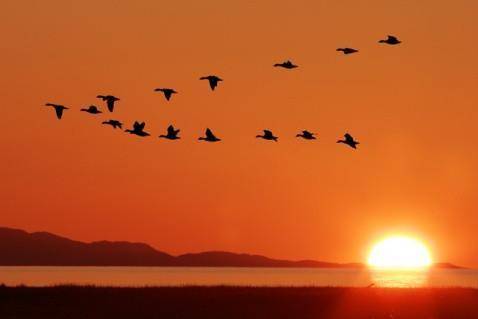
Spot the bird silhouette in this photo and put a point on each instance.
(138, 129)
(392, 40)
(306, 135)
(58, 109)
(92, 110)
(167, 92)
(172, 133)
(110, 101)
(349, 140)
(213, 80)
(286, 65)
(347, 50)
(268, 136)
(114, 123)
(210, 137)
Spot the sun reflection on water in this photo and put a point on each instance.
(399, 278)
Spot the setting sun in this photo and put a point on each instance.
(399, 252)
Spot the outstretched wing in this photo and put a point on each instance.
(171, 130)
(267, 133)
(209, 134)
(392, 38)
(213, 83)
(307, 133)
(110, 103)
(348, 137)
(59, 112)
(167, 94)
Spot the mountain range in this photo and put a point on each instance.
(20, 248)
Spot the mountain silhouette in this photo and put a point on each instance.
(19, 248)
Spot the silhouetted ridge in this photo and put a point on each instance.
(228, 259)
(19, 248)
(44, 249)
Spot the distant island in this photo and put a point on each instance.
(20, 248)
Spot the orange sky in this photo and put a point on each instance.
(413, 107)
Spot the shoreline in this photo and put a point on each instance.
(237, 302)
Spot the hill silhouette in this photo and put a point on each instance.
(20, 248)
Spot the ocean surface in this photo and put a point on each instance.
(178, 276)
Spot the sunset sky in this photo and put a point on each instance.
(413, 107)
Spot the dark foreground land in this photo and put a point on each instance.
(236, 302)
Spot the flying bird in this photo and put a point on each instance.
(58, 109)
(167, 92)
(138, 129)
(172, 133)
(392, 40)
(306, 135)
(349, 140)
(92, 110)
(110, 101)
(268, 136)
(114, 123)
(286, 65)
(210, 137)
(213, 80)
(347, 50)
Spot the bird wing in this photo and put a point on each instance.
(59, 112)
(307, 133)
(167, 94)
(171, 130)
(101, 97)
(267, 133)
(52, 104)
(209, 134)
(213, 83)
(392, 38)
(348, 137)
(110, 103)
(141, 125)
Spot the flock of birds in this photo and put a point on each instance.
(172, 133)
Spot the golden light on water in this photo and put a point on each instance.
(399, 252)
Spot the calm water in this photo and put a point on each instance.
(175, 276)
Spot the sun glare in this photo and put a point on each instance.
(399, 253)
